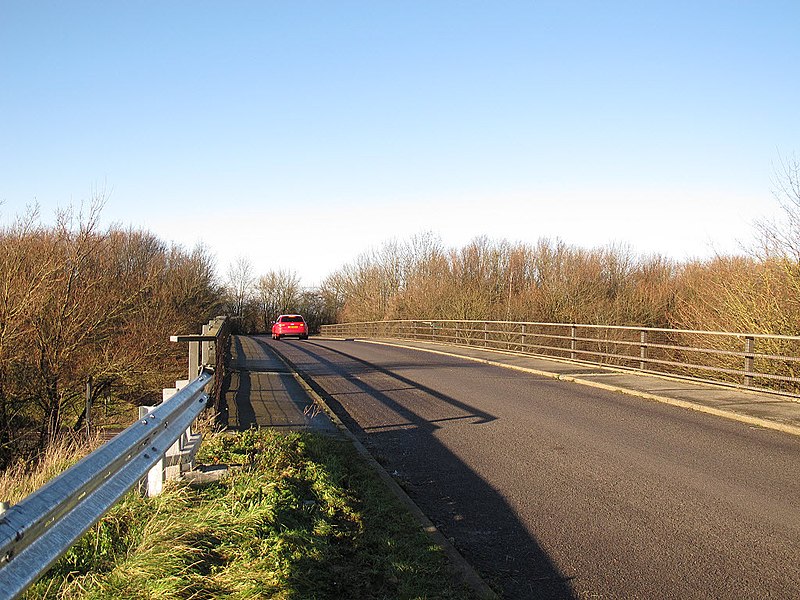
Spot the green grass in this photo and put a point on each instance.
(303, 517)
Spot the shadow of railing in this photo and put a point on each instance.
(236, 388)
(260, 391)
(465, 508)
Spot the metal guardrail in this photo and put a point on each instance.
(747, 360)
(39, 529)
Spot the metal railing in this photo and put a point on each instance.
(38, 530)
(35, 532)
(747, 360)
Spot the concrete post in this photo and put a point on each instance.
(154, 484)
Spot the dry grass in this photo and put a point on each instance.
(25, 476)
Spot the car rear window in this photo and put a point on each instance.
(291, 319)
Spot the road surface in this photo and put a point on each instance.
(556, 490)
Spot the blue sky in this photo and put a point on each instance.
(302, 133)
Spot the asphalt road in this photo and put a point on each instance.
(556, 490)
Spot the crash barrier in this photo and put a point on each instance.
(747, 360)
(38, 530)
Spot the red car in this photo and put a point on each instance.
(290, 325)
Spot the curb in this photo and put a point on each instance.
(460, 568)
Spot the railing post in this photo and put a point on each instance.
(206, 348)
(643, 349)
(524, 332)
(573, 342)
(194, 359)
(485, 334)
(88, 415)
(154, 484)
(749, 360)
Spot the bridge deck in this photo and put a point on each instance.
(262, 392)
(771, 411)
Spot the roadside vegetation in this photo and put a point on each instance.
(82, 305)
(757, 291)
(299, 516)
(254, 301)
(556, 283)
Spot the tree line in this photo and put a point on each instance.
(254, 301)
(756, 291)
(80, 304)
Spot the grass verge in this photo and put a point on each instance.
(302, 517)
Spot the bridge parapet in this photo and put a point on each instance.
(756, 361)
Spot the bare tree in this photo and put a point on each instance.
(781, 238)
(278, 292)
(239, 284)
(78, 302)
(486, 279)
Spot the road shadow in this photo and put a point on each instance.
(236, 390)
(241, 390)
(465, 508)
(260, 391)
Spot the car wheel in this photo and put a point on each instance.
(277, 337)
(303, 337)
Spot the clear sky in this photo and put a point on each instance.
(302, 133)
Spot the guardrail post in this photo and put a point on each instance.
(485, 334)
(154, 484)
(573, 342)
(643, 349)
(524, 332)
(749, 360)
